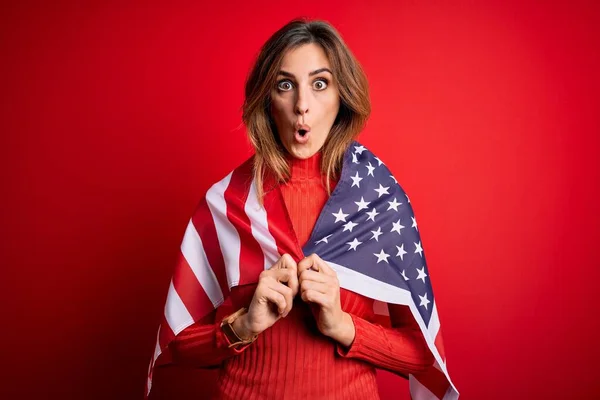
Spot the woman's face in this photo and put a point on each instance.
(305, 100)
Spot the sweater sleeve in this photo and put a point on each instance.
(203, 344)
(400, 349)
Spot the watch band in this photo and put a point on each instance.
(230, 333)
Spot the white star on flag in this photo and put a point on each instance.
(419, 249)
(324, 240)
(392, 176)
(382, 190)
(376, 234)
(359, 149)
(382, 256)
(407, 199)
(422, 274)
(414, 225)
(397, 227)
(401, 252)
(371, 169)
(404, 273)
(379, 161)
(393, 205)
(356, 180)
(424, 300)
(349, 226)
(362, 204)
(355, 159)
(340, 216)
(372, 214)
(353, 244)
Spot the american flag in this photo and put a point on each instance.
(367, 232)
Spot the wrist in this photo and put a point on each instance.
(345, 331)
(240, 326)
(235, 330)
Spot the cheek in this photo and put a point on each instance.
(332, 107)
(331, 100)
(279, 106)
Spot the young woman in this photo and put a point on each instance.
(292, 332)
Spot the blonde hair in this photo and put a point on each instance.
(355, 105)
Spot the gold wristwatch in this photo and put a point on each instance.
(230, 333)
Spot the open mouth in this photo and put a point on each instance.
(302, 133)
(302, 136)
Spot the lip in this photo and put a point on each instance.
(300, 126)
(301, 139)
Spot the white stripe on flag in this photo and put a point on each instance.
(176, 314)
(260, 227)
(380, 308)
(419, 391)
(149, 385)
(157, 350)
(370, 287)
(194, 254)
(434, 322)
(229, 239)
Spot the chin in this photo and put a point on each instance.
(302, 151)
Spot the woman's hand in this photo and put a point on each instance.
(319, 284)
(272, 299)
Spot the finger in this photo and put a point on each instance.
(287, 276)
(308, 263)
(286, 292)
(312, 276)
(292, 281)
(276, 298)
(289, 265)
(285, 262)
(282, 275)
(324, 267)
(313, 296)
(316, 286)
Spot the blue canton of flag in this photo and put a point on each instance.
(368, 226)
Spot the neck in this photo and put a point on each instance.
(308, 168)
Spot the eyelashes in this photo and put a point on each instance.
(285, 85)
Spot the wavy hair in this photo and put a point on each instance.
(355, 105)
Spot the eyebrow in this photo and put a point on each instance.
(316, 71)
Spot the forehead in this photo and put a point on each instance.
(305, 58)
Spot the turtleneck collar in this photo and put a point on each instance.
(305, 169)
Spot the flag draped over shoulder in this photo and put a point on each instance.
(367, 232)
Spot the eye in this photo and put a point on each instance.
(284, 86)
(320, 84)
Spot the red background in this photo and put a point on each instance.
(116, 118)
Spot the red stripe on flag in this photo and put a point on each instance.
(435, 381)
(205, 226)
(190, 291)
(280, 224)
(439, 344)
(166, 334)
(252, 259)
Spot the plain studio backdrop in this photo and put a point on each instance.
(115, 119)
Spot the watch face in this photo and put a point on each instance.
(230, 334)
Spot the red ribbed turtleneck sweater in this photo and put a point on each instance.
(292, 359)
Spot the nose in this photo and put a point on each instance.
(301, 106)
